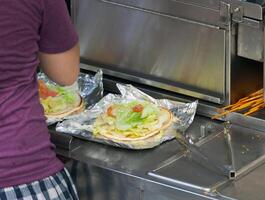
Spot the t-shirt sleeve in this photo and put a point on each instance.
(57, 33)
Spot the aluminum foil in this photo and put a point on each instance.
(89, 87)
(82, 124)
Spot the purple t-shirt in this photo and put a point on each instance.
(27, 27)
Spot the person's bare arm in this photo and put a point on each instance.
(62, 68)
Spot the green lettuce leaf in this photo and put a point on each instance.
(126, 119)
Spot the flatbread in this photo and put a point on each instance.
(59, 102)
(74, 109)
(118, 137)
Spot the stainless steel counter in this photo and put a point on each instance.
(249, 187)
(211, 50)
(106, 173)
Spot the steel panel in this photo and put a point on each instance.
(189, 57)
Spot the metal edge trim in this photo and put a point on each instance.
(158, 13)
(156, 84)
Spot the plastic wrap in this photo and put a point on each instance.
(82, 125)
(89, 87)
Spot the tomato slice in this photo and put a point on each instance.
(138, 108)
(44, 91)
(109, 111)
(43, 95)
(42, 85)
(52, 93)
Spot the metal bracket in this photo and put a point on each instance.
(224, 13)
(228, 11)
(238, 14)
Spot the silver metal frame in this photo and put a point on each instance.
(219, 99)
(117, 164)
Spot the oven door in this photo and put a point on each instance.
(156, 44)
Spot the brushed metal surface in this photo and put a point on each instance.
(248, 187)
(250, 40)
(246, 146)
(96, 183)
(104, 173)
(254, 10)
(122, 37)
(194, 176)
(203, 11)
(181, 54)
(251, 8)
(136, 79)
(211, 4)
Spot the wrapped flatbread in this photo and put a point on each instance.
(59, 102)
(136, 120)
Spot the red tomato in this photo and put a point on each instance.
(52, 93)
(109, 111)
(44, 91)
(43, 95)
(42, 86)
(138, 108)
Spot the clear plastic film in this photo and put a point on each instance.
(82, 125)
(89, 87)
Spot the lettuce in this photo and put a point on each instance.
(127, 119)
(59, 103)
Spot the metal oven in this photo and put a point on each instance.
(203, 49)
(210, 50)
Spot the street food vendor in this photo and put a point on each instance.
(33, 33)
